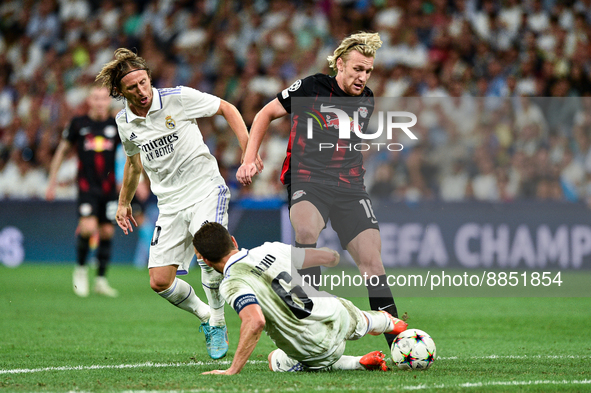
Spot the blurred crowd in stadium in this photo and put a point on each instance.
(484, 65)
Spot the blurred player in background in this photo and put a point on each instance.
(159, 132)
(310, 331)
(324, 186)
(95, 137)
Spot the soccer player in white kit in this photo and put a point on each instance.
(159, 132)
(310, 328)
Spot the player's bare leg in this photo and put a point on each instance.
(307, 223)
(365, 249)
(178, 292)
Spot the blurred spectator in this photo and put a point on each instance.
(538, 19)
(572, 176)
(411, 52)
(511, 16)
(7, 95)
(398, 82)
(43, 26)
(74, 9)
(383, 182)
(455, 184)
(20, 179)
(528, 114)
(25, 56)
(484, 184)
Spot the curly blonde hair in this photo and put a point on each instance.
(125, 62)
(365, 43)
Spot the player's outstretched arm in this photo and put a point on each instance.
(131, 177)
(236, 123)
(253, 323)
(56, 162)
(321, 257)
(273, 110)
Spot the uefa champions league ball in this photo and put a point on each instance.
(413, 349)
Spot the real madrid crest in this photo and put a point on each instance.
(170, 124)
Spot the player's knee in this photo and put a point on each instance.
(88, 226)
(159, 283)
(270, 360)
(370, 263)
(306, 235)
(372, 269)
(87, 231)
(106, 231)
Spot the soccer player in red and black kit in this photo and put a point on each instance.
(327, 183)
(96, 139)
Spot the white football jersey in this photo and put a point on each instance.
(181, 169)
(304, 326)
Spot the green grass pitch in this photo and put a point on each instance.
(51, 340)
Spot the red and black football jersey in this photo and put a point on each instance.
(324, 158)
(96, 142)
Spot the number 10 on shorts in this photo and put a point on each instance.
(366, 203)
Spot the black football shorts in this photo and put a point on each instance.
(349, 210)
(100, 206)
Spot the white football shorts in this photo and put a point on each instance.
(356, 328)
(172, 241)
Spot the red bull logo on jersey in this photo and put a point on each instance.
(334, 122)
(339, 119)
(98, 143)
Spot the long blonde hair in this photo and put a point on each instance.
(112, 72)
(365, 43)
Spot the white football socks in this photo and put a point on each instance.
(348, 363)
(211, 281)
(182, 295)
(377, 323)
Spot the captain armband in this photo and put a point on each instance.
(244, 300)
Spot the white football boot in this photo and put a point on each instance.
(102, 287)
(80, 281)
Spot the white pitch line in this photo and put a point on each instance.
(224, 362)
(466, 385)
(497, 383)
(516, 357)
(117, 366)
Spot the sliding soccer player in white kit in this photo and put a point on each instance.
(309, 328)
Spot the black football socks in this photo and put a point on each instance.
(380, 299)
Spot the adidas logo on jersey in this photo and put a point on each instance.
(132, 136)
